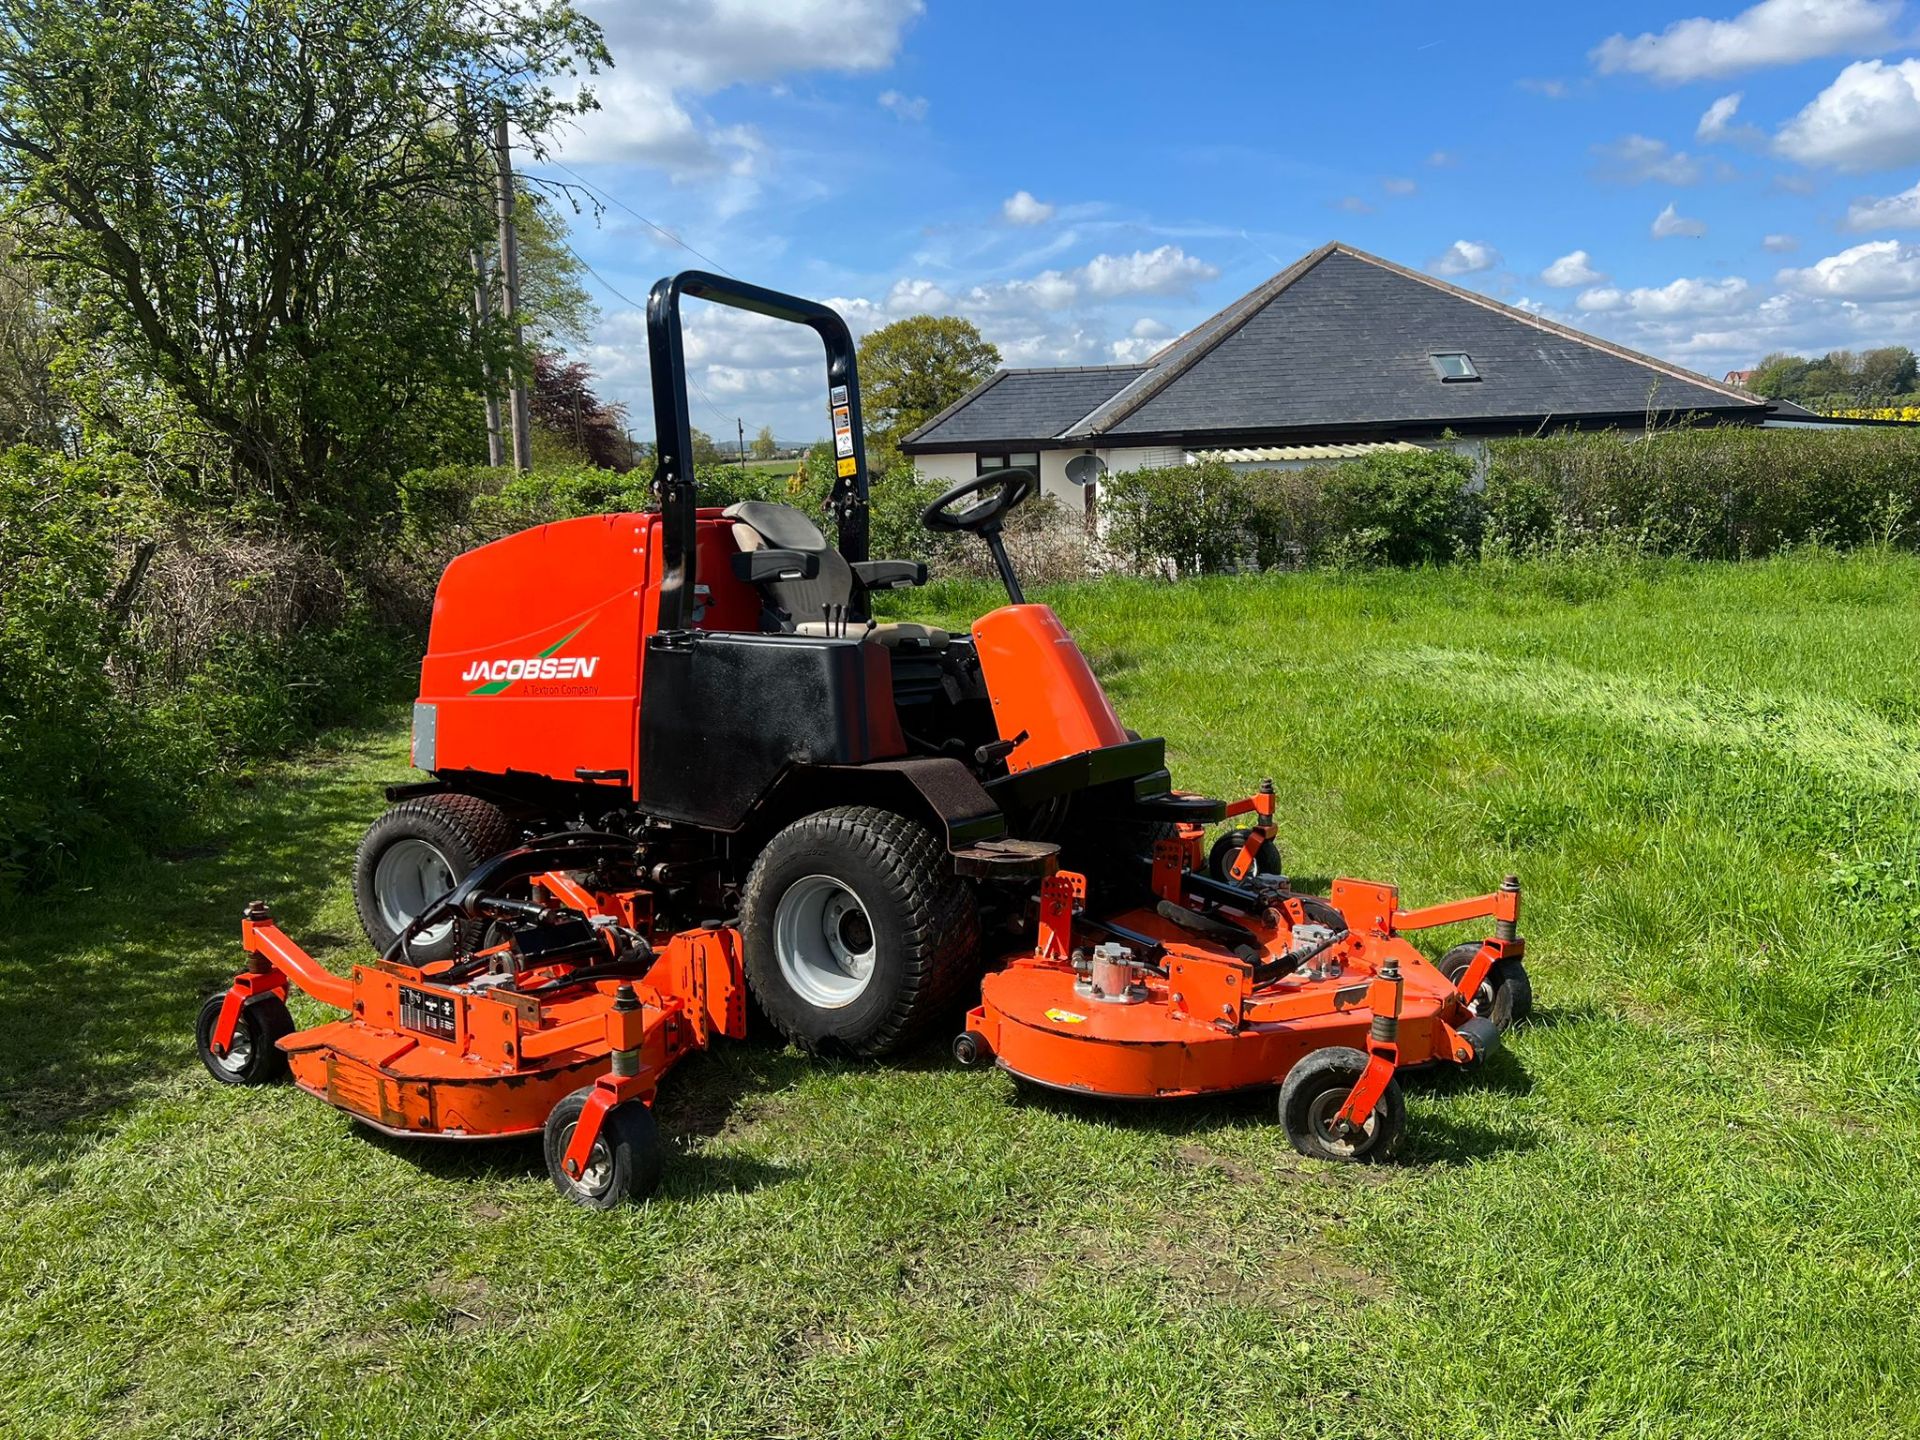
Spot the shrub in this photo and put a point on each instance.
(1393, 508)
(1725, 493)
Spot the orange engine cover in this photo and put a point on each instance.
(534, 657)
(1042, 684)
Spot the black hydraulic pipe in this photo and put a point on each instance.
(673, 430)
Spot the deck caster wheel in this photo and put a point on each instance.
(253, 1058)
(1266, 860)
(1505, 997)
(626, 1161)
(970, 1050)
(1314, 1091)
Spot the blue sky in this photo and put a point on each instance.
(1086, 180)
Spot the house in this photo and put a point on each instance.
(1742, 378)
(1339, 354)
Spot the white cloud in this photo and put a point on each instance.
(1168, 270)
(670, 50)
(1895, 212)
(1877, 270)
(1713, 124)
(1867, 119)
(1443, 159)
(1670, 223)
(907, 107)
(1552, 89)
(1148, 328)
(1678, 297)
(917, 297)
(1352, 205)
(1635, 159)
(1398, 185)
(1021, 208)
(1570, 270)
(1780, 244)
(1135, 349)
(1774, 32)
(1464, 257)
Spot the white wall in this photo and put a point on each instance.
(951, 469)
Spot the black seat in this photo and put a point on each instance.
(833, 598)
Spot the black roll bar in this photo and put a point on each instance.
(673, 431)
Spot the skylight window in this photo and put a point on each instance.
(1453, 365)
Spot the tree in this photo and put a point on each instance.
(763, 444)
(914, 368)
(1779, 376)
(263, 213)
(1887, 372)
(705, 452)
(563, 404)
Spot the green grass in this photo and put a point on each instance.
(1684, 1202)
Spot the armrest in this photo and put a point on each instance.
(890, 574)
(756, 567)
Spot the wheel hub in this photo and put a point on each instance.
(410, 875)
(824, 942)
(1343, 1140)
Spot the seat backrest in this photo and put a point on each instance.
(762, 524)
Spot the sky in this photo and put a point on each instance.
(1086, 180)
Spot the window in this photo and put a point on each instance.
(987, 464)
(1453, 365)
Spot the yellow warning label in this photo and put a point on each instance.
(1066, 1017)
(849, 465)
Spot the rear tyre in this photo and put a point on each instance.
(254, 1058)
(1505, 997)
(858, 934)
(626, 1162)
(1266, 860)
(1314, 1091)
(415, 853)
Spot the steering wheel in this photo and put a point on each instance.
(983, 517)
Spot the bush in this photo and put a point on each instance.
(1393, 508)
(142, 653)
(1723, 494)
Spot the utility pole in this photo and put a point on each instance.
(510, 289)
(482, 302)
(740, 427)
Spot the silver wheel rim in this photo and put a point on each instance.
(239, 1050)
(824, 942)
(598, 1173)
(1320, 1118)
(410, 875)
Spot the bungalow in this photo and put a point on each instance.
(1338, 354)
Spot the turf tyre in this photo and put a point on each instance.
(925, 928)
(1266, 860)
(627, 1161)
(1506, 995)
(463, 829)
(1315, 1088)
(255, 1057)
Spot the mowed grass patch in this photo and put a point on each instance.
(1681, 1203)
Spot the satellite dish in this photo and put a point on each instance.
(1085, 469)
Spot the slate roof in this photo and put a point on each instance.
(1340, 341)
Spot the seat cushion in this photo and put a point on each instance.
(895, 634)
(761, 524)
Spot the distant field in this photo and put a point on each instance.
(1684, 1202)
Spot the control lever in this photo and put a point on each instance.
(998, 749)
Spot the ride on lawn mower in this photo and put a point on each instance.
(677, 761)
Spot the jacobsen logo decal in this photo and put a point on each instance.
(498, 675)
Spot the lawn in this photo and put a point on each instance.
(1685, 1201)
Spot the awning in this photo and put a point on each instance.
(1268, 454)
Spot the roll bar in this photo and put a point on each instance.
(673, 431)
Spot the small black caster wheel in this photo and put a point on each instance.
(1266, 860)
(1505, 997)
(626, 1160)
(970, 1050)
(253, 1058)
(1312, 1095)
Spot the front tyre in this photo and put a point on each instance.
(626, 1160)
(858, 934)
(1312, 1095)
(1505, 997)
(414, 854)
(254, 1057)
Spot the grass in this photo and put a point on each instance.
(1684, 1202)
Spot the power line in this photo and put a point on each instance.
(613, 199)
(617, 294)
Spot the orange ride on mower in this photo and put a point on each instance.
(675, 760)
